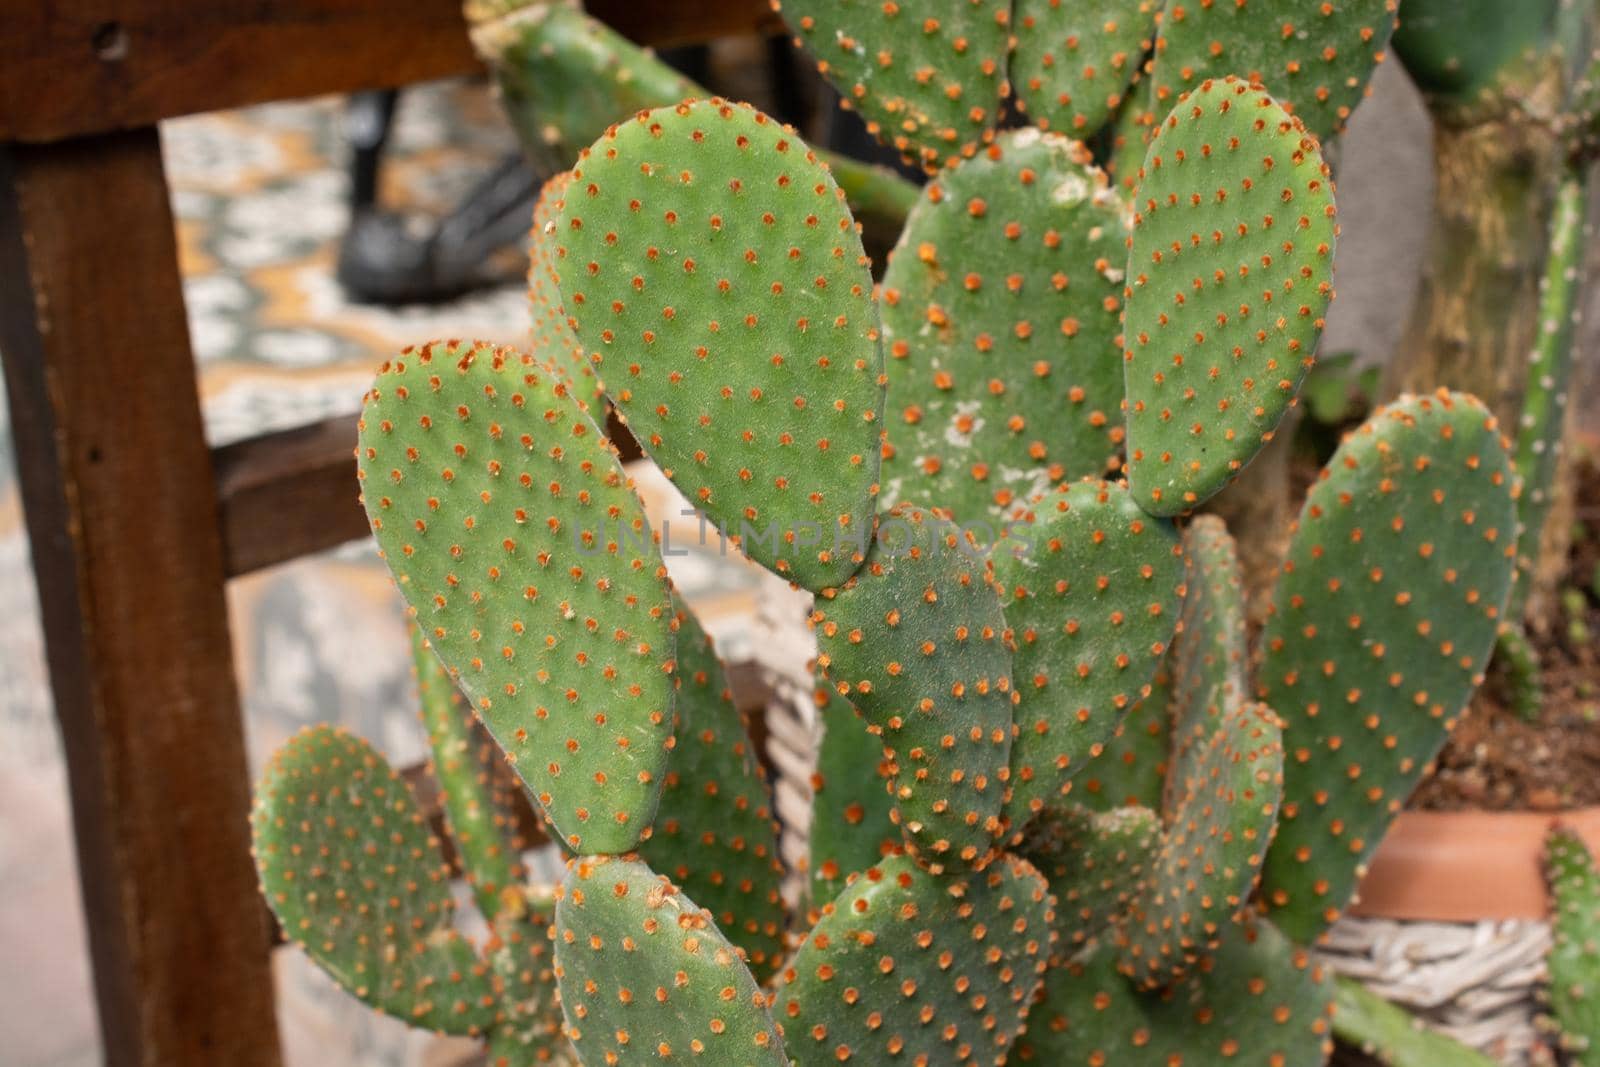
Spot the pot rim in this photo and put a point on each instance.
(1466, 866)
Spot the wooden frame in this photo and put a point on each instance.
(134, 523)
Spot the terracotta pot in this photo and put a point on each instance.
(1465, 866)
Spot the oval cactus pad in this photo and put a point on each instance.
(647, 977)
(355, 877)
(910, 967)
(1000, 317)
(1381, 628)
(1074, 61)
(927, 78)
(917, 643)
(717, 283)
(524, 552)
(1091, 588)
(1230, 271)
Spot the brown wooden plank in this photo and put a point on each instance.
(74, 67)
(117, 487)
(288, 494)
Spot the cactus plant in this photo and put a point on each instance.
(1575, 949)
(1059, 816)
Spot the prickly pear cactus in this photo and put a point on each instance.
(713, 833)
(1230, 271)
(1575, 954)
(523, 959)
(1315, 56)
(1000, 318)
(1263, 1002)
(1095, 862)
(646, 976)
(916, 641)
(717, 284)
(852, 804)
(525, 555)
(1381, 627)
(927, 78)
(1219, 821)
(355, 878)
(1075, 62)
(1091, 587)
(908, 966)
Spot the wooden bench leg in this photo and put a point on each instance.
(122, 517)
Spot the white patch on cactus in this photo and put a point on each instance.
(1071, 189)
(952, 435)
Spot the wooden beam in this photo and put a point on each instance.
(68, 69)
(117, 487)
(288, 494)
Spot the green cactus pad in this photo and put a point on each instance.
(852, 827)
(1211, 648)
(917, 643)
(478, 825)
(551, 339)
(525, 555)
(1575, 954)
(1131, 770)
(1381, 628)
(1391, 1035)
(718, 285)
(928, 79)
(524, 964)
(1091, 586)
(1456, 49)
(1230, 271)
(1000, 318)
(713, 834)
(1095, 862)
(1074, 62)
(1219, 823)
(646, 976)
(1263, 1002)
(355, 877)
(911, 967)
(1314, 56)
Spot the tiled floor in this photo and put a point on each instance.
(259, 197)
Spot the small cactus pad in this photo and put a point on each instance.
(524, 963)
(911, 967)
(646, 976)
(1211, 648)
(1230, 271)
(1131, 770)
(552, 340)
(917, 642)
(353, 874)
(1218, 824)
(1314, 56)
(718, 285)
(1262, 1002)
(1000, 317)
(1381, 627)
(1575, 954)
(1456, 49)
(1095, 863)
(1074, 62)
(713, 834)
(927, 78)
(1091, 586)
(852, 827)
(525, 555)
(480, 828)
